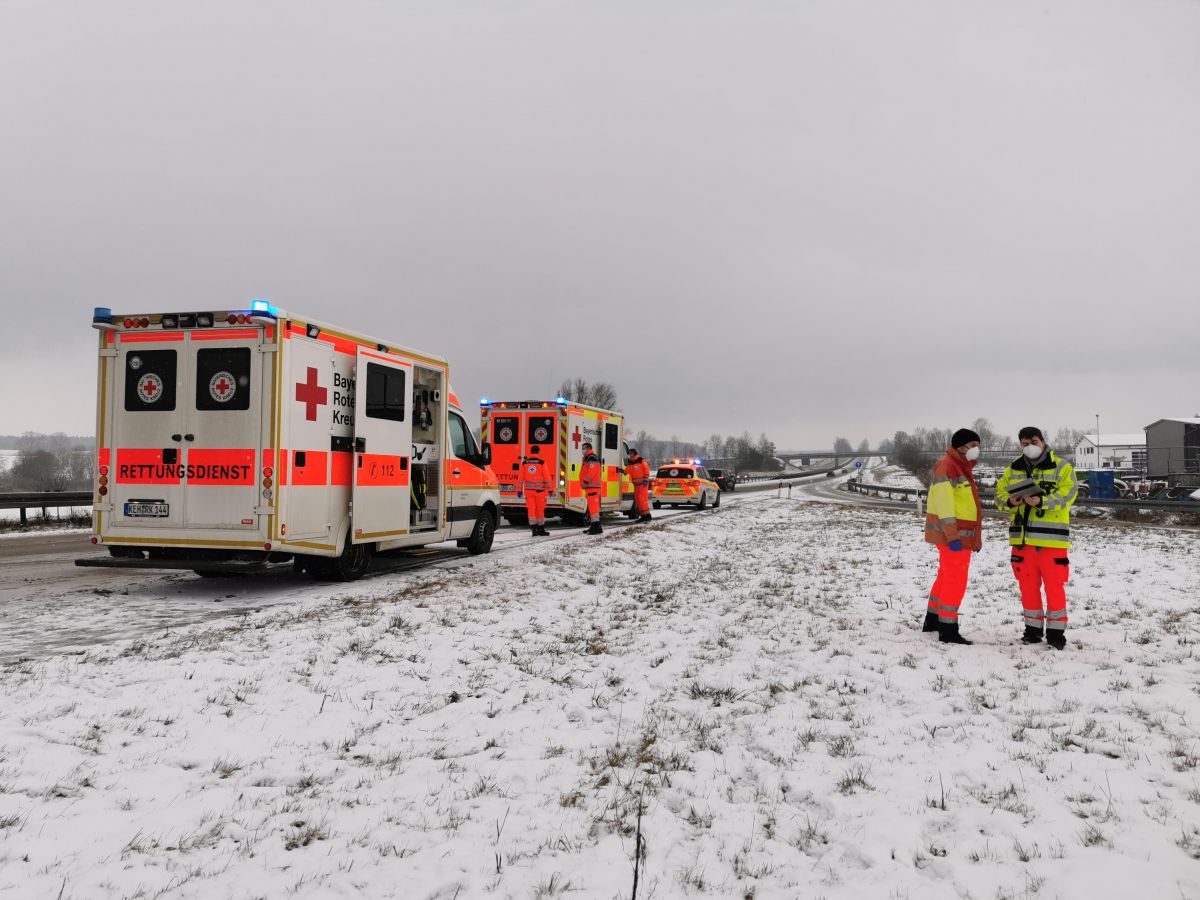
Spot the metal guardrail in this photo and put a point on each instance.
(877, 490)
(44, 500)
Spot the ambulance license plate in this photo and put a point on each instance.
(138, 509)
(508, 488)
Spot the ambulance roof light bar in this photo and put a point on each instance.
(262, 312)
(561, 401)
(102, 319)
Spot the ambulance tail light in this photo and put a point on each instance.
(102, 490)
(96, 538)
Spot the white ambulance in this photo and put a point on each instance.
(559, 428)
(230, 439)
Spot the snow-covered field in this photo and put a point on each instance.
(750, 681)
(892, 476)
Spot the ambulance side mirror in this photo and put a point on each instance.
(485, 453)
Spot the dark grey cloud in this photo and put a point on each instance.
(809, 219)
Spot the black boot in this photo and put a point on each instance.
(948, 634)
(1032, 635)
(595, 529)
(931, 622)
(536, 532)
(1056, 639)
(542, 532)
(645, 517)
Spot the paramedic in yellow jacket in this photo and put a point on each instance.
(952, 524)
(1037, 491)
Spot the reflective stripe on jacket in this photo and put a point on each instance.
(534, 474)
(589, 473)
(953, 512)
(1049, 523)
(639, 473)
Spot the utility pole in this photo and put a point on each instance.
(1098, 464)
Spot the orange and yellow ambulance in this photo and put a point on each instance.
(559, 428)
(229, 439)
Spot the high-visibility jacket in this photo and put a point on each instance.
(535, 475)
(589, 473)
(953, 512)
(639, 473)
(1049, 523)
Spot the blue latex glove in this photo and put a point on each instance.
(955, 545)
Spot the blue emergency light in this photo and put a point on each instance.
(263, 306)
(560, 400)
(484, 401)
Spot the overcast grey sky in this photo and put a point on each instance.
(811, 219)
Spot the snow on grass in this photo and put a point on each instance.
(893, 476)
(750, 683)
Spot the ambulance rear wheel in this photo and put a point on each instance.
(482, 534)
(350, 565)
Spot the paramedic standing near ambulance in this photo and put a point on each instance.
(952, 524)
(537, 483)
(1037, 491)
(638, 471)
(590, 480)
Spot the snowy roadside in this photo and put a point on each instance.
(752, 676)
(892, 476)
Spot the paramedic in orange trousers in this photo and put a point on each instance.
(590, 480)
(953, 523)
(537, 484)
(638, 471)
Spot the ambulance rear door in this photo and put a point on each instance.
(224, 424)
(613, 460)
(507, 450)
(150, 390)
(382, 447)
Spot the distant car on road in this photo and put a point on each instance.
(726, 481)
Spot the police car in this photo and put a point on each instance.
(685, 483)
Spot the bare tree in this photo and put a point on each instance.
(595, 393)
(841, 445)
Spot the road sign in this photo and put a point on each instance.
(858, 465)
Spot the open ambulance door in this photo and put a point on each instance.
(382, 448)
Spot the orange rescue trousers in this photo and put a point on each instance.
(1037, 568)
(535, 505)
(593, 506)
(948, 589)
(641, 499)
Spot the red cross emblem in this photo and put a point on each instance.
(150, 387)
(311, 395)
(576, 437)
(222, 387)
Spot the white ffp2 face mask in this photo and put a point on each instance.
(1032, 451)
(972, 453)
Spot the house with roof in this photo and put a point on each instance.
(1111, 451)
(1173, 447)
